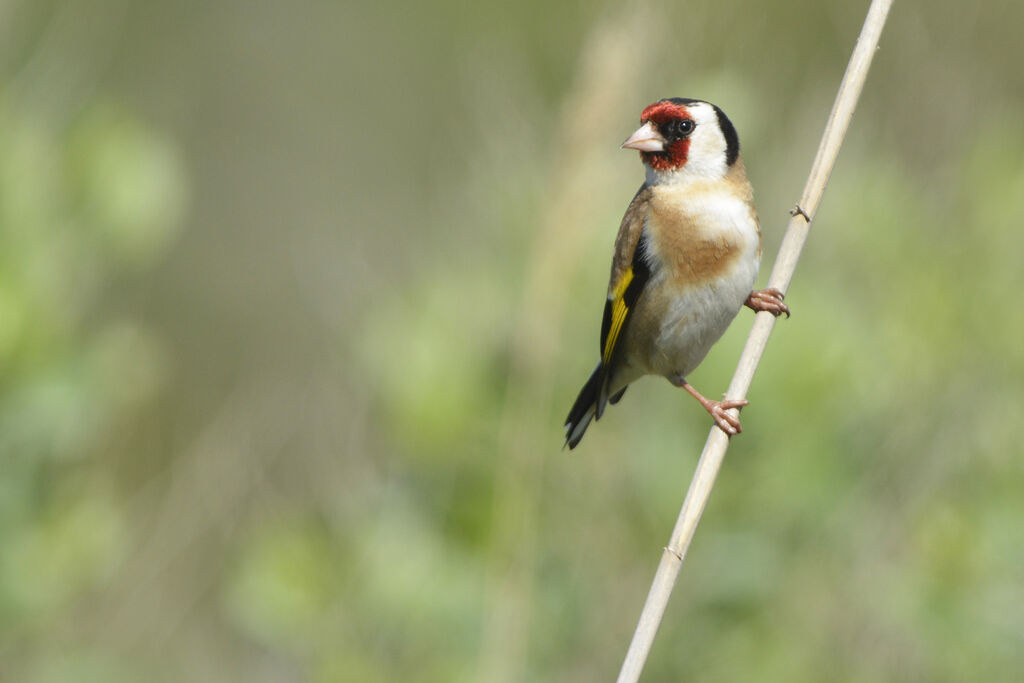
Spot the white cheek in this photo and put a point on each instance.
(706, 158)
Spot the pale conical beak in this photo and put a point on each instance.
(646, 139)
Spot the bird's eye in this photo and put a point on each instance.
(682, 127)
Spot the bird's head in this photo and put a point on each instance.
(680, 137)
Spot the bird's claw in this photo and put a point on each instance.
(770, 300)
(728, 423)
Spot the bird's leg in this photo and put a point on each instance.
(767, 300)
(726, 422)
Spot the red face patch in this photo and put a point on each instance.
(660, 112)
(674, 157)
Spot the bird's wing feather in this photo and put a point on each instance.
(629, 274)
(627, 280)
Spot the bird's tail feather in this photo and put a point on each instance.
(586, 407)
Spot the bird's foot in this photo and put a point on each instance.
(767, 300)
(727, 423)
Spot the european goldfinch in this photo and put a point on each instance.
(686, 258)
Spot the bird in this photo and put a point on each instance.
(685, 261)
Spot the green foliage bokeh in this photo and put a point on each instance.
(293, 300)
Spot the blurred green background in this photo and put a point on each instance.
(295, 296)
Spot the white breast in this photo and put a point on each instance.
(698, 315)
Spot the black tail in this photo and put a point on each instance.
(589, 405)
(584, 409)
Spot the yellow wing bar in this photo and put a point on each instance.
(619, 311)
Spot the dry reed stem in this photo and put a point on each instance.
(782, 274)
